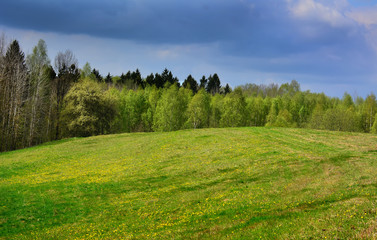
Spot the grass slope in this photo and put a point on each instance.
(242, 183)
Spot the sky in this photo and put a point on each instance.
(328, 46)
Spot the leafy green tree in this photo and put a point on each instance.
(133, 107)
(369, 111)
(339, 119)
(289, 88)
(152, 95)
(284, 119)
(85, 71)
(199, 110)
(234, 111)
(216, 110)
(255, 109)
(87, 110)
(347, 101)
(316, 121)
(274, 111)
(113, 98)
(171, 109)
(374, 127)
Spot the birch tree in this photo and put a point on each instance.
(38, 63)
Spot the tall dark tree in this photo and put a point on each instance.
(213, 85)
(109, 79)
(227, 89)
(150, 80)
(68, 73)
(203, 82)
(14, 85)
(97, 75)
(191, 83)
(136, 77)
(159, 81)
(167, 77)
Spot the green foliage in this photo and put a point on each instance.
(32, 94)
(374, 127)
(171, 110)
(199, 110)
(234, 111)
(86, 71)
(339, 119)
(216, 110)
(133, 107)
(87, 110)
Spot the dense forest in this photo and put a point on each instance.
(41, 101)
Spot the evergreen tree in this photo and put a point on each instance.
(109, 79)
(203, 82)
(191, 83)
(150, 80)
(14, 85)
(97, 75)
(213, 85)
(227, 89)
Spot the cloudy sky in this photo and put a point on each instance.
(328, 46)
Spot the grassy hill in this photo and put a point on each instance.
(242, 183)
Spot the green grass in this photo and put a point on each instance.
(241, 183)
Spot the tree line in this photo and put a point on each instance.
(41, 101)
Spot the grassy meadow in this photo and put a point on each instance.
(236, 183)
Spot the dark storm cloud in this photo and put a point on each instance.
(147, 21)
(323, 39)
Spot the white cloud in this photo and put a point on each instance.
(364, 16)
(326, 12)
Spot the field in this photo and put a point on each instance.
(241, 183)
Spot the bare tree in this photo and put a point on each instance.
(65, 60)
(66, 67)
(38, 63)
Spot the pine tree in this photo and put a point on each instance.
(14, 84)
(213, 85)
(191, 83)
